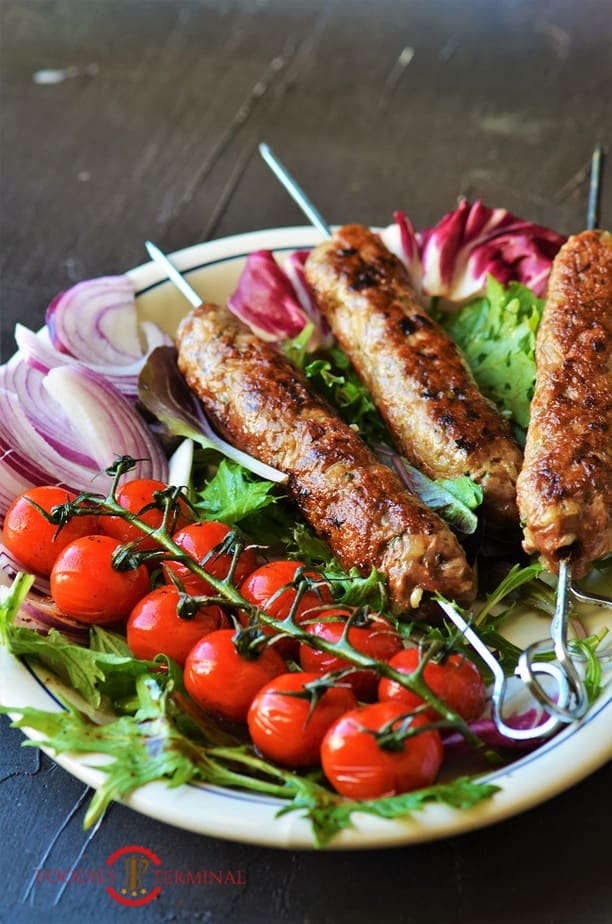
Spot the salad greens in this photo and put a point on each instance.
(455, 499)
(497, 334)
(233, 494)
(161, 734)
(331, 375)
(149, 746)
(157, 732)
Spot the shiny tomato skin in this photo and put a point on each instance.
(281, 726)
(198, 540)
(261, 586)
(456, 681)
(379, 640)
(155, 627)
(31, 539)
(134, 496)
(358, 768)
(222, 681)
(85, 585)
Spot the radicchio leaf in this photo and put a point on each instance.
(473, 241)
(275, 305)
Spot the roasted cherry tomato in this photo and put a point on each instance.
(456, 681)
(223, 681)
(285, 726)
(360, 763)
(156, 625)
(85, 585)
(264, 588)
(199, 540)
(135, 496)
(34, 541)
(378, 640)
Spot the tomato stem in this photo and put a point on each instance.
(288, 626)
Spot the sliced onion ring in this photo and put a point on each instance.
(93, 423)
(43, 615)
(96, 322)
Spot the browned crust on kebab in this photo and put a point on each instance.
(417, 377)
(261, 403)
(565, 488)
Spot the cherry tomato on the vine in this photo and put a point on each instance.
(264, 588)
(361, 766)
(223, 681)
(378, 640)
(34, 541)
(135, 495)
(286, 728)
(456, 681)
(199, 540)
(85, 585)
(155, 625)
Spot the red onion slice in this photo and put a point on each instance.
(41, 409)
(95, 321)
(65, 428)
(105, 421)
(40, 352)
(42, 615)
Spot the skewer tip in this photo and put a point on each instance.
(173, 274)
(294, 189)
(595, 187)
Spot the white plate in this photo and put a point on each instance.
(213, 269)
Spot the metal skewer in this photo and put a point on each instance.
(569, 700)
(557, 705)
(595, 188)
(159, 257)
(295, 190)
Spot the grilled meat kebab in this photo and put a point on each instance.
(565, 487)
(417, 377)
(262, 404)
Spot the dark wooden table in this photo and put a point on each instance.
(129, 119)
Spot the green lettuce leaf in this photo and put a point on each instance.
(233, 494)
(455, 499)
(497, 336)
(92, 673)
(349, 588)
(332, 376)
(330, 817)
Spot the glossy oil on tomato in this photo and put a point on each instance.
(264, 588)
(224, 682)
(285, 729)
(456, 681)
(378, 640)
(155, 626)
(359, 768)
(85, 585)
(199, 540)
(34, 541)
(134, 496)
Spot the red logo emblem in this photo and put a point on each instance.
(136, 861)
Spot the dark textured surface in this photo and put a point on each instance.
(154, 136)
